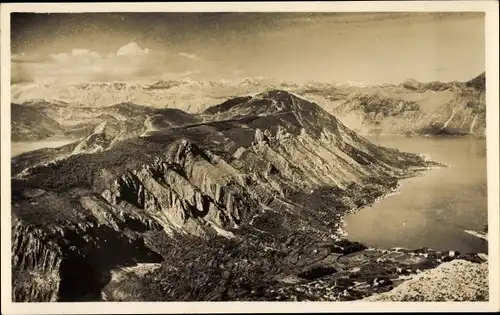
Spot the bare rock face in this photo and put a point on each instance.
(36, 262)
(185, 186)
(264, 171)
(433, 108)
(63, 246)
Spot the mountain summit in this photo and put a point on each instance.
(478, 82)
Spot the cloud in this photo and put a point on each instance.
(189, 56)
(76, 54)
(130, 62)
(132, 49)
(85, 53)
(60, 56)
(26, 58)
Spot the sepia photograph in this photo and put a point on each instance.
(216, 153)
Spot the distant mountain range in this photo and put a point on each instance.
(188, 95)
(408, 108)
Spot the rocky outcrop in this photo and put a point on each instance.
(184, 188)
(36, 261)
(66, 254)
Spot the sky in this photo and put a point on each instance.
(370, 48)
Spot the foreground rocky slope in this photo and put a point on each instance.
(244, 205)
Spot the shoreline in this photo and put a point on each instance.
(477, 234)
(427, 252)
(341, 229)
(392, 192)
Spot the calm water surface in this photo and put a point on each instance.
(21, 147)
(432, 210)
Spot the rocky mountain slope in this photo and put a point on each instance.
(418, 108)
(244, 202)
(30, 124)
